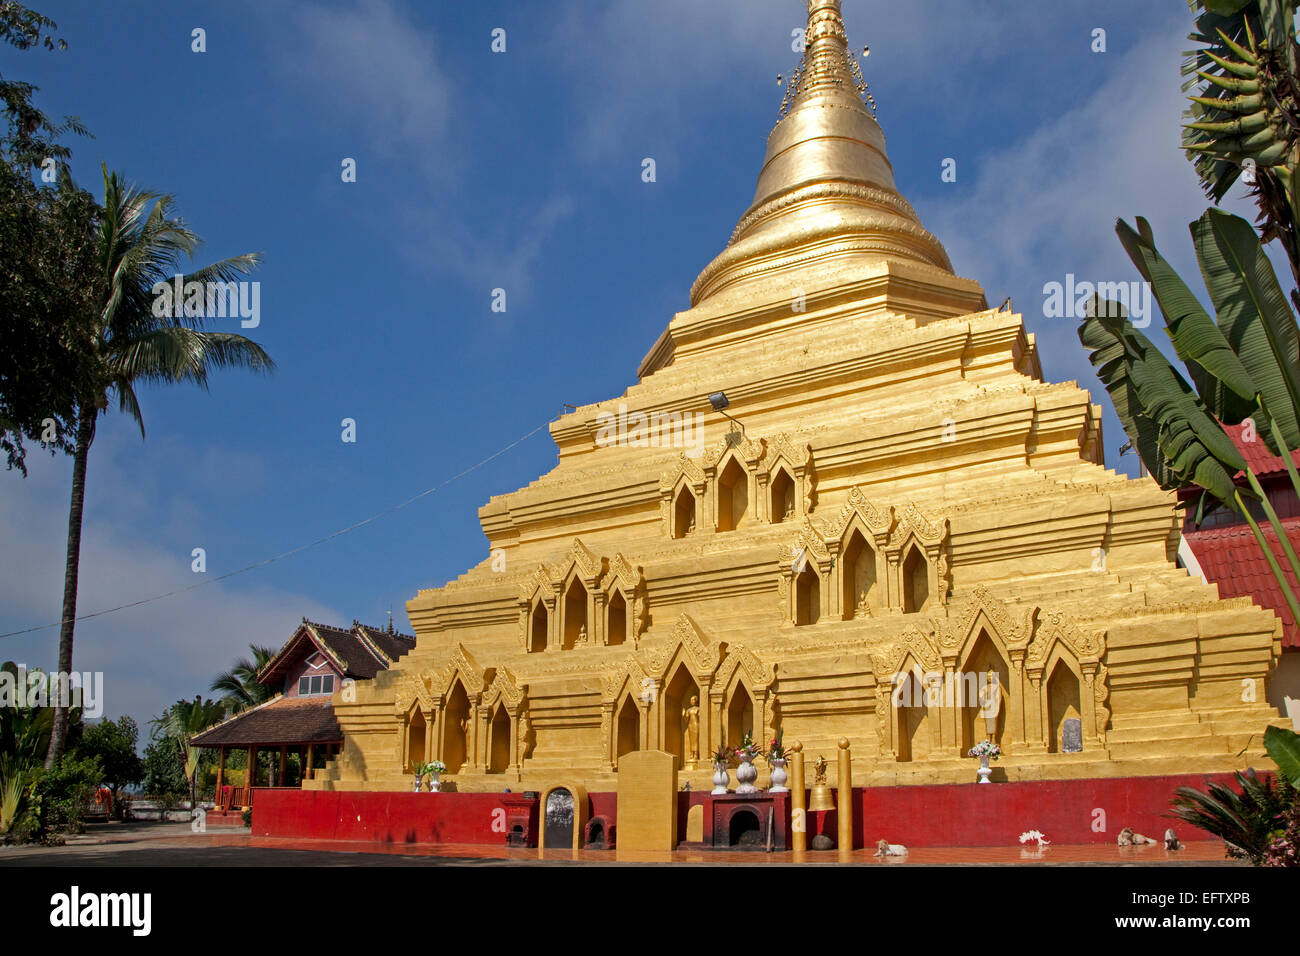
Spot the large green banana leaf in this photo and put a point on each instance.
(1222, 381)
(1253, 315)
(1283, 748)
(1191, 447)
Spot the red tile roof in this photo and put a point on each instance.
(1230, 557)
(281, 720)
(1261, 461)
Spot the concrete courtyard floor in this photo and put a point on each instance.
(175, 844)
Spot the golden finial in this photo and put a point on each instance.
(844, 743)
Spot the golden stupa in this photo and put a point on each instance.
(894, 523)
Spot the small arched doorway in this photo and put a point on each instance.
(740, 716)
(538, 628)
(807, 597)
(629, 727)
(576, 629)
(456, 730)
(859, 571)
(1062, 704)
(683, 513)
(499, 761)
(416, 731)
(916, 581)
(782, 499)
(616, 631)
(733, 496)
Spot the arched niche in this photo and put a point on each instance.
(1064, 700)
(617, 618)
(807, 596)
(740, 715)
(985, 673)
(913, 730)
(577, 629)
(417, 731)
(538, 627)
(732, 495)
(915, 580)
(783, 496)
(683, 512)
(500, 735)
(457, 729)
(858, 567)
(627, 732)
(677, 692)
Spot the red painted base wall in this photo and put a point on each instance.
(1066, 811)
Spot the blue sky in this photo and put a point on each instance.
(521, 171)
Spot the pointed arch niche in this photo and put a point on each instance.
(584, 599)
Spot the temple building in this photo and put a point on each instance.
(891, 521)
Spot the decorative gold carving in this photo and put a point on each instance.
(504, 688)
(1100, 694)
(956, 630)
(463, 665)
(702, 658)
(683, 467)
(877, 522)
(1086, 647)
(630, 675)
(758, 677)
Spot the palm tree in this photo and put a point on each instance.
(181, 721)
(140, 244)
(239, 684)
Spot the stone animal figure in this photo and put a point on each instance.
(1128, 838)
(1034, 835)
(1171, 841)
(885, 848)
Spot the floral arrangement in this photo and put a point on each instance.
(722, 756)
(433, 766)
(776, 750)
(985, 748)
(748, 750)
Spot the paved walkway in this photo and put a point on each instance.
(157, 844)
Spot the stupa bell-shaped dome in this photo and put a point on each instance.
(826, 194)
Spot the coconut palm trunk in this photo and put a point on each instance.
(85, 436)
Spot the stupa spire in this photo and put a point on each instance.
(826, 191)
(827, 64)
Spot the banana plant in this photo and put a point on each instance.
(1179, 440)
(1283, 748)
(1247, 111)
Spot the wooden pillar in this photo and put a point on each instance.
(309, 770)
(250, 778)
(221, 771)
(282, 777)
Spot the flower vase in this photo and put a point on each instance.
(720, 778)
(418, 778)
(778, 775)
(985, 771)
(746, 774)
(434, 785)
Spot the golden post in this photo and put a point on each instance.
(845, 801)
(798, 811)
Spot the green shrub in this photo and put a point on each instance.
(63, 793)
(1248, 822)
